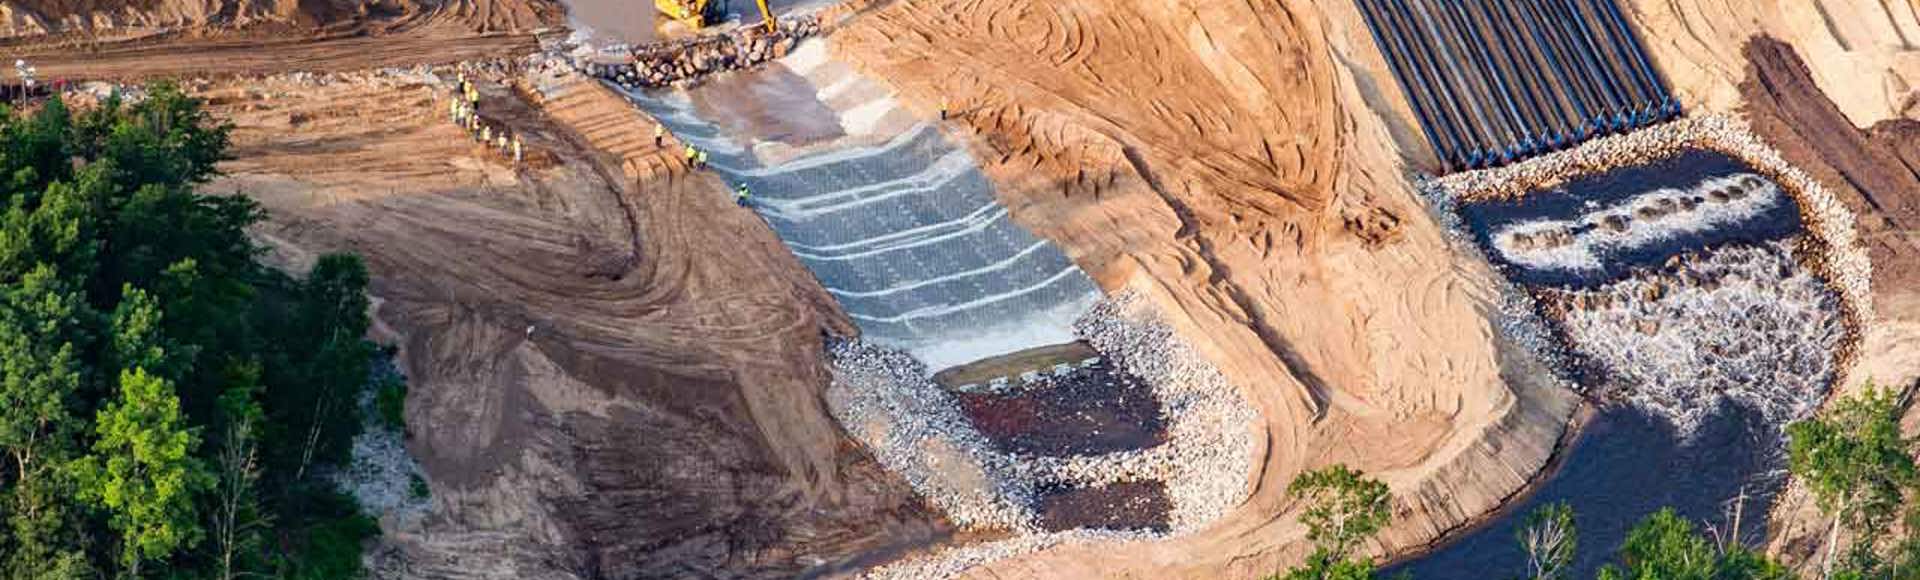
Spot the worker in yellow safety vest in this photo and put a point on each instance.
(659, 134)
(703, 160)
(516, 149)
(740, 195)
(691, 154)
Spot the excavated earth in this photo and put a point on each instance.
(617, 373)
(614, 371)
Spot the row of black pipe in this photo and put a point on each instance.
(1497, 81)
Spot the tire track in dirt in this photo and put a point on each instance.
(661, 417)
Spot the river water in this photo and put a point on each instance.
(1627, 464)
(1676, 288)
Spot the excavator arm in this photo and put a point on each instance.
(694, 13)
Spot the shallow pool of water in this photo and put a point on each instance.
(1593, 253)
(1625, 466)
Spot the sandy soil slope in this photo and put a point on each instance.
(145, 39)
(27, 24)
(1864, 50)
(1224, 156)
(614, 372)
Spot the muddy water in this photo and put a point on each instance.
(771, 103)
(1627, 464)
(612, 21)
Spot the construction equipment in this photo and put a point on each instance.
(698, 14)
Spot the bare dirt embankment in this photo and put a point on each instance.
(614, 372)
(144, 39)
(1225, 158)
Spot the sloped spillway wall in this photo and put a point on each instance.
(1497, 81)
(907, 235)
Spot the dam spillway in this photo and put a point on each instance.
(1492, 82)
(1684, 279)
(896, 221)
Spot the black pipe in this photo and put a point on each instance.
(1471, 148)
(1638, 49)
(1577, 67)
(1419, 110)
(1473, 119)
(1617, 55)
(1583, 38)
(1544, 112)
(1426, 90)
(1582, 121)
(1520, 129)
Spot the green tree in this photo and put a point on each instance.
(143, 470)
(1344, 508)
(1549, 538)
(1857, 464)
(40, 373)
(1665, 546)
(236, 519)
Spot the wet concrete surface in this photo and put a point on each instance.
(1091, 410)
(1134, 505)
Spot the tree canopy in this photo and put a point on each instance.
(153, 375)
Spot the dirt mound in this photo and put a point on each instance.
(1225, 157)
(614, 372)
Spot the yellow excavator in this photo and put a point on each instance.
(697, 14)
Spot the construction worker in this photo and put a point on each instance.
(659, 134)
(516, 150)
(692, 154)
(500, 142)
(740, 195)
(486, 133)
(453, 111)
(943, 108)
(703, 160)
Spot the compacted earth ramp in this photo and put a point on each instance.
(895, 219)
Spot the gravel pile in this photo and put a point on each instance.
(886, 399)
(662, 64)
(1209, 449)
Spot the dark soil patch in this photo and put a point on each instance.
(1133, 505)
(1091, 410)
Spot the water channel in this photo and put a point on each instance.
(1676, 287)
